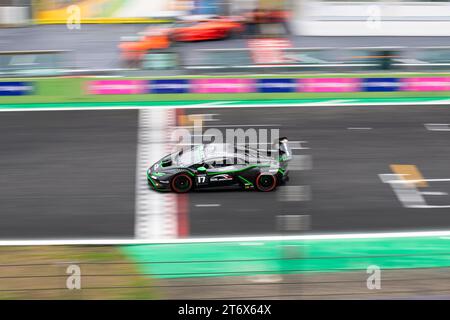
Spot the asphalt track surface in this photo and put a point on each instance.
(347, 193)
(67, 174)
(95, 46)
(71, 174)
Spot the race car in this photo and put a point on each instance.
(134, 48)
(219, 166)
(210, 28)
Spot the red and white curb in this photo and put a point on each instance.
(155, 212)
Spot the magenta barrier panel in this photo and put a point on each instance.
(222, 85)
(329, 85)
(117, 87)
(426, 84)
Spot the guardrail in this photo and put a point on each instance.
(33, 63)
(322, 59)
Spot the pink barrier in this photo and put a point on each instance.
(117, 87)
(426, 84)
(222, 85)
(329, 85)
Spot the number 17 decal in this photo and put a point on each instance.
(201, 179)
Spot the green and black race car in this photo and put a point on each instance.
(217, 166)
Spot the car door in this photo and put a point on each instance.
(224, 171)
(217, 172)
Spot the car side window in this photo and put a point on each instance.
(211, 163)
(218, 163)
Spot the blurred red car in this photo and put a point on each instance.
(207, 29)
(133, 49)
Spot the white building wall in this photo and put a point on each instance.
(374, 18)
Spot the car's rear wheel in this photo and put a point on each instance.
(266, 182)
(181, 183)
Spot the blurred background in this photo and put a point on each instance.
(81, 83)
(170, 37)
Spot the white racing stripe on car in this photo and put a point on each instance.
(155, 212)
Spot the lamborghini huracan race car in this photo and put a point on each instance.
(217, 166)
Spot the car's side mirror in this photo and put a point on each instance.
(201, 169)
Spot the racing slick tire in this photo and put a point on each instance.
(181, 183)
(266, 182)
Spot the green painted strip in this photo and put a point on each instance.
(283, 257)
(245, 181)
(133, 104)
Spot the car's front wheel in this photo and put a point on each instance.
(181, 183)
(266, 182)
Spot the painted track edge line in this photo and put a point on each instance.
(227, 104)
(349, 236)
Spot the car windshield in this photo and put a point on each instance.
(187, 157)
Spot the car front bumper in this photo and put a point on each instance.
(156, 184)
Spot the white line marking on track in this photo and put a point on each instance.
(437, 126)
(359, 128)
(434, 193)
(332, 102)
(300, 162)
(375, 235)
(418, 180)
(265, 278)
(294, 193)
(208, 205)
(207, 104)
(426, 206)
(293, 222)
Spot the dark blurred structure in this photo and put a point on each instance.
(33, 63)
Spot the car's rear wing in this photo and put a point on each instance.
(285, 152)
